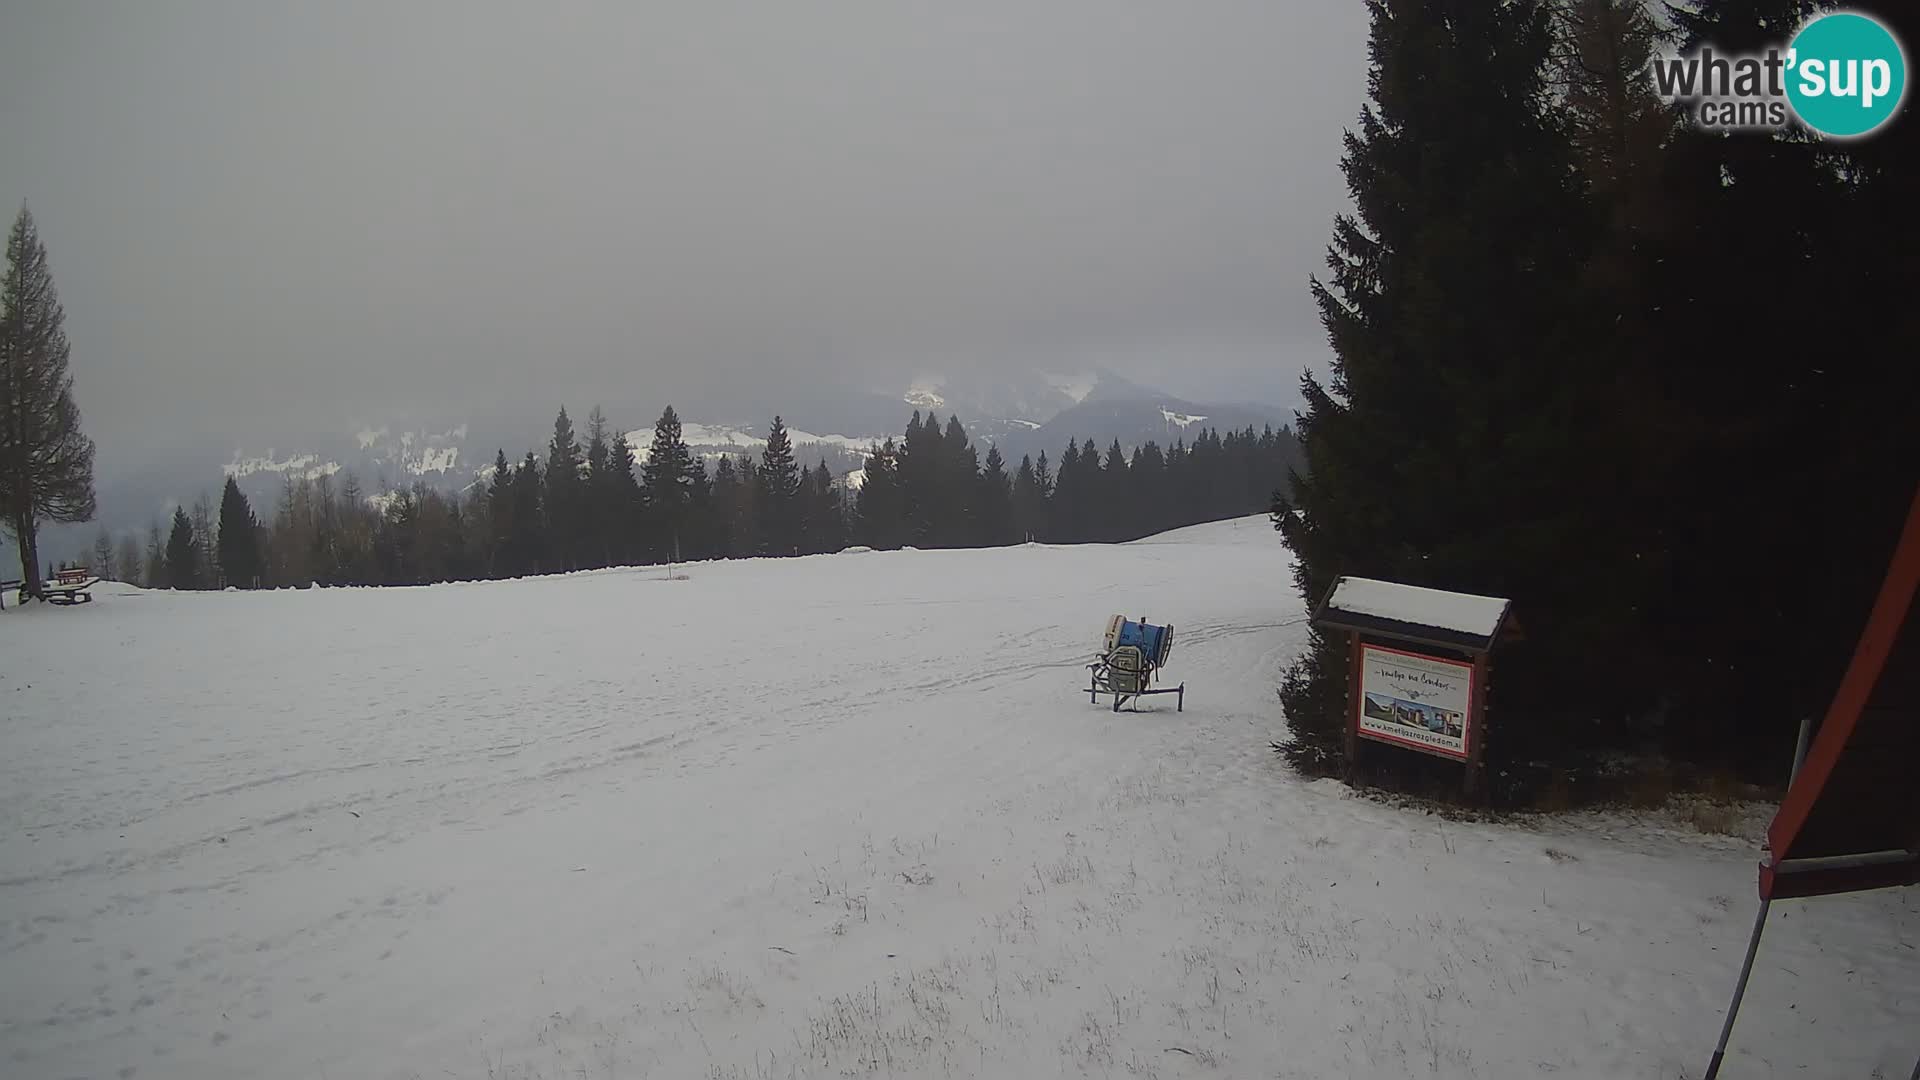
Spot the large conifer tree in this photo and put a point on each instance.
(880, 504)
(1757, 417)
(821, 511)
(956, 487)
(1026, 501)
(703, 519)
(623, 497)
(1448, 447)
(993, 506)
(46, 463)
(1043, 486)
(183, 555)
(1114, 500)
(918, 464)
(239, 540)
(726, 496)
(529, 524)
(501, 556)
(666, 483)
(564, 497)
(596, 513)
(743, 516)
(779, 480)
(1065, 511)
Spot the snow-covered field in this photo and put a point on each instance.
(834, 816)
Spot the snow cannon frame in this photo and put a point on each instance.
(1133, 654)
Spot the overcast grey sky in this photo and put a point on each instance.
(302, 213)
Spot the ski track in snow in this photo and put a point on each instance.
(836, 816)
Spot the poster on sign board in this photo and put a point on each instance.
(1421, 702)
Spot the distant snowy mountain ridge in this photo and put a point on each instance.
(1018, 412)
(294, 467)
(710, 442)
(376, 455)
(1030, 398)
(714, 440)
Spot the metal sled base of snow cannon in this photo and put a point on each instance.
(1135, 652)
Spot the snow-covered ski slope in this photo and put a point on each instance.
(844, 815)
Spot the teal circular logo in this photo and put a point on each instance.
(1845, 75)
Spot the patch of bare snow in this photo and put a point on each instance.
(477, 830)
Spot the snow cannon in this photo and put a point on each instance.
(1154, 642)
(1132, 654)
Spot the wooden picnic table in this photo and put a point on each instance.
(67, 588)
(70, 587)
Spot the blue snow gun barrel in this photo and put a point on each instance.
(1154, 642)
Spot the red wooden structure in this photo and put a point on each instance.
(1851, 817)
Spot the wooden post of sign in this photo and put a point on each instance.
(1477, 747)
(1353, 702)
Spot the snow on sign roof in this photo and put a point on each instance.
(1455, 614)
